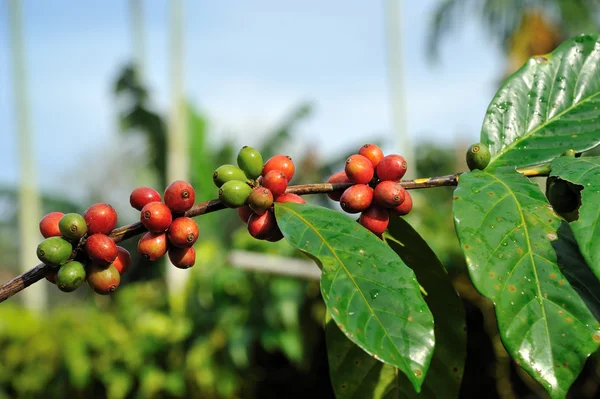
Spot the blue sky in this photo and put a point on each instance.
(246, 64)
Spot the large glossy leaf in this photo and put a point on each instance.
(371, 294)
(585, 172)
(511, 240)
(548, 106)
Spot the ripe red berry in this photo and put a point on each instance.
(244, 213)
(375, 218)
(339, 177)
(100, 219)
(142, 196)
(183, 232)
(182, 258)
(276, 181)
(277, 235)
(179, 196)
(359, 169)
(372, 152)
(405, 207)
(260, 200)
(282, 163)
(49, 224)
(356, 198)
(391, 167)
(262, 226)
(123, 260)
(103, 280)
(101, 249)
(389, 194)
(152, 246)
(51, 276)
(289, 197)
(156, 217)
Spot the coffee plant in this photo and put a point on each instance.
(395, 326)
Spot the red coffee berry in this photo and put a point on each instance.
(372, 152)
(389, 194)
(51, 276)
(282, 163)
(262, 226)
(244, 213)
(260, 200)
(182, 258)
(277, 235)
(356, 198)
(391, 167)
(103, 280)
(101, 249)
(142, 196)
(100, 219)
(156, 217)
(405, 207)
(276, 181)
(375, 218)
(123, 260)
(183, 232)
(179, 196)
(359, 169)
(49, 224)
(289, 197)
(152, 246)
(339, 177)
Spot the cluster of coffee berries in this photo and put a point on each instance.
(169, 230)
(376, 190)
(80, 249)
(252, 188)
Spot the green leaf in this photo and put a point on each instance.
(585, 172)
(548, 106)
(372, 295)
(512, 243)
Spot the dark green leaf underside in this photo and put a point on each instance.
(510, 236)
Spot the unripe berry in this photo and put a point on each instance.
(282, 163)
(179, 196)
(405, 207)
(54, 251)
(262, 226)
(100, 219)
(250, 161)
(225, 173)
(101, 249)
(72, 226)
(478, 156)
(234, 193)
(375, 218)
(372, 152)
(339, 177)
(156, 217)
(359, 169)
(103, 280)
(49, 224)
(123, 260)
(260, 200)
(276, 181)
(289, 197)
(392, 167)
(152, 246)
(183, 232)
(182, 258)
(70, 276)
(244, 213)
(389, 194)
(142, 196)
(356, 198)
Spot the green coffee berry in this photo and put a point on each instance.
(54, 251)
(478, 156)
(225, 173)
(250, 161)
(569, 153)
(70, 276)
(234, 193)
(72, 226)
